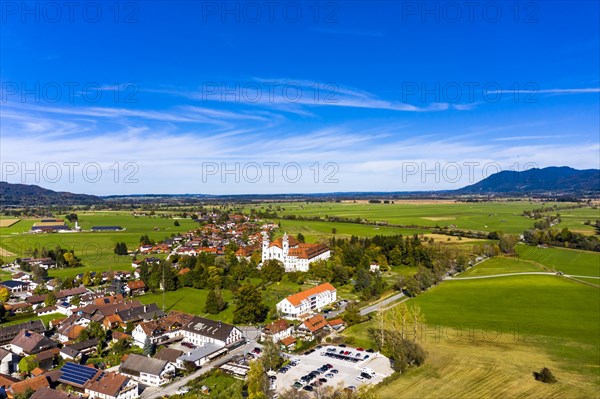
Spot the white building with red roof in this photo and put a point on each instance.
(307, 301)
(294, 255)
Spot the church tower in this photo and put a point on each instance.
(265, 246)
(285, 243)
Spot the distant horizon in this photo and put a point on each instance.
(291, 193)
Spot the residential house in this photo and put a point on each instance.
(8, 333)
(278, 330)
(34, 384)
(9, 362)
(112, 386)
(168, 354)
(14, 286)
(314, 326)
(135, 288)
(308, 301)
(29, 342)
(49, 393)
(148, 371)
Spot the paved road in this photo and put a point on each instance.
(519, 274)
(171, 389)
(500, 275)
(381, 304)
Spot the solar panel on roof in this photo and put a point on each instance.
(77, 373)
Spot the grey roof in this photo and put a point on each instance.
(136, 364)
(71, 352)
(168, 354)
(9, 332)
(202, 352)
(209, 328)
(88, 343)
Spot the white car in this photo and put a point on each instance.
(183, 390)
(359, 378)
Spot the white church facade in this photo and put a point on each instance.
(294, 255)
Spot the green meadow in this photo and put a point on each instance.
(94, 248)
(502, 265)
(490, 334)
(574, 219)
(482, 216)
(568, 261)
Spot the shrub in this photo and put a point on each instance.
(545, 375)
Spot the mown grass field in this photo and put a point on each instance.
(502, 265)
(483, 216)
(569, 261)
(485, 337)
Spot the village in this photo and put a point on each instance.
(103, 342)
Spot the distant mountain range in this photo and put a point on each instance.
(31, 195)
(559, 180)
(546, 181)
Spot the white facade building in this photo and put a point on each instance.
(294, 255)
(308, 301)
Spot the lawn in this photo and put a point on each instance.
(569, 261)
(502, 265)
(45, 319)
(191, 300)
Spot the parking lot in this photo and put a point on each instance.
(339, 359)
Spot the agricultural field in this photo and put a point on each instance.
(482, 216)
(4, 223)
(574, 219)
(94, 248)
(489, 335)
(315, 231)
(568, 261)
(503, 265)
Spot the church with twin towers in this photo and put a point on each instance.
(295, 255)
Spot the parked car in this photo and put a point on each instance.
(182, 391)
(360, 378)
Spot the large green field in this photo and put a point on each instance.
(574, 219)
(482, 216)
(488, 335)
(568, 261)
(319, 231)
(503, 265)
(94, 248)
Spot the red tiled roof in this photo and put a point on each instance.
(287, 341)
(278, 326)
(308, 251)
(335, 322)
(315, 323)
(136, 285)
(296, 299)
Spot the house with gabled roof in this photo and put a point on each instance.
(29, 342)
(146, 370)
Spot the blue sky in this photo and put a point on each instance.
(239, 97)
